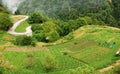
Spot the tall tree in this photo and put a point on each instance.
(116, 9)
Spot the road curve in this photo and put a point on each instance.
(15, 25)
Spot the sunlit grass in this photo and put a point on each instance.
(22, 27)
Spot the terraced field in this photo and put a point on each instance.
(94, 49)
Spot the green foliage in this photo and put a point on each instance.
(24, 40)
(83, 70)
(71, 25)
(116, 10)
(73, 58)
(49, 63)
(29, 61)
(52, 36)
(81, 21)
(49, 26)
(39, 35)
(36, 27)
(36, 18)
(44, 31)
(5, 22)
(63, 27)
(116, 7)
(70, 36)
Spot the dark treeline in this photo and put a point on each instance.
(102, 10)
(5, 21)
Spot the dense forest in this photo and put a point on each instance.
(106, 11)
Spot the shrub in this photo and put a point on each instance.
(49, 63)
(69, 37)
(83, 70)
(63, 27)
(5, 22)
(36, 27)
(24, 40)
(39, 35)
(36, 18)
(89, 20)
(30, 61)
(81, 21)
(49, 26)
(52, 36)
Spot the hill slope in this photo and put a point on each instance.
(89, 45)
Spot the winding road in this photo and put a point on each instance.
(15, 25)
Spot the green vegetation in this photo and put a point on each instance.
(69, 37)
(101, 10)
(36, 18)
(24, 40)
(5, 22)
(116, 10)
(85, 54)
(5, 38)
(49, 63)
(22, 27)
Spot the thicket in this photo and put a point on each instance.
(52, 29)
(24, 40)
(49, 63)
(46, 32)
(70, 16)
(5, 21)
(106, 11)
(36, 18)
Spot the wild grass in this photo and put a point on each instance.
(89, 49)
(22, 27)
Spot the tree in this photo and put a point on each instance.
(116, 7)
(39, 35)
(52, 36)
(49, 63)
(36, 18)
(5, 21)
(24, 40)
(116, 10)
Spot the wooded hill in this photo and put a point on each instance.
(107, 11)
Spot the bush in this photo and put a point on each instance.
(29, 61)
(5, 22)
(83, 70)
(24, 40)
(36, 18)
(63, 27)
(49, 63)
(39, 35)
(52, 36)
(81, 21)
(36, 27)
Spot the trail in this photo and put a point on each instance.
(116, 64)
(26, 49)
(15, 25)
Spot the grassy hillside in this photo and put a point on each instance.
(89, 45)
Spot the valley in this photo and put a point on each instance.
(59, 37)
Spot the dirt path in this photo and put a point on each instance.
(25, 49)
(113, 28)
(79, 33)
(110, 67)
(15, 25)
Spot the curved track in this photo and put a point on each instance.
(15, 25)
